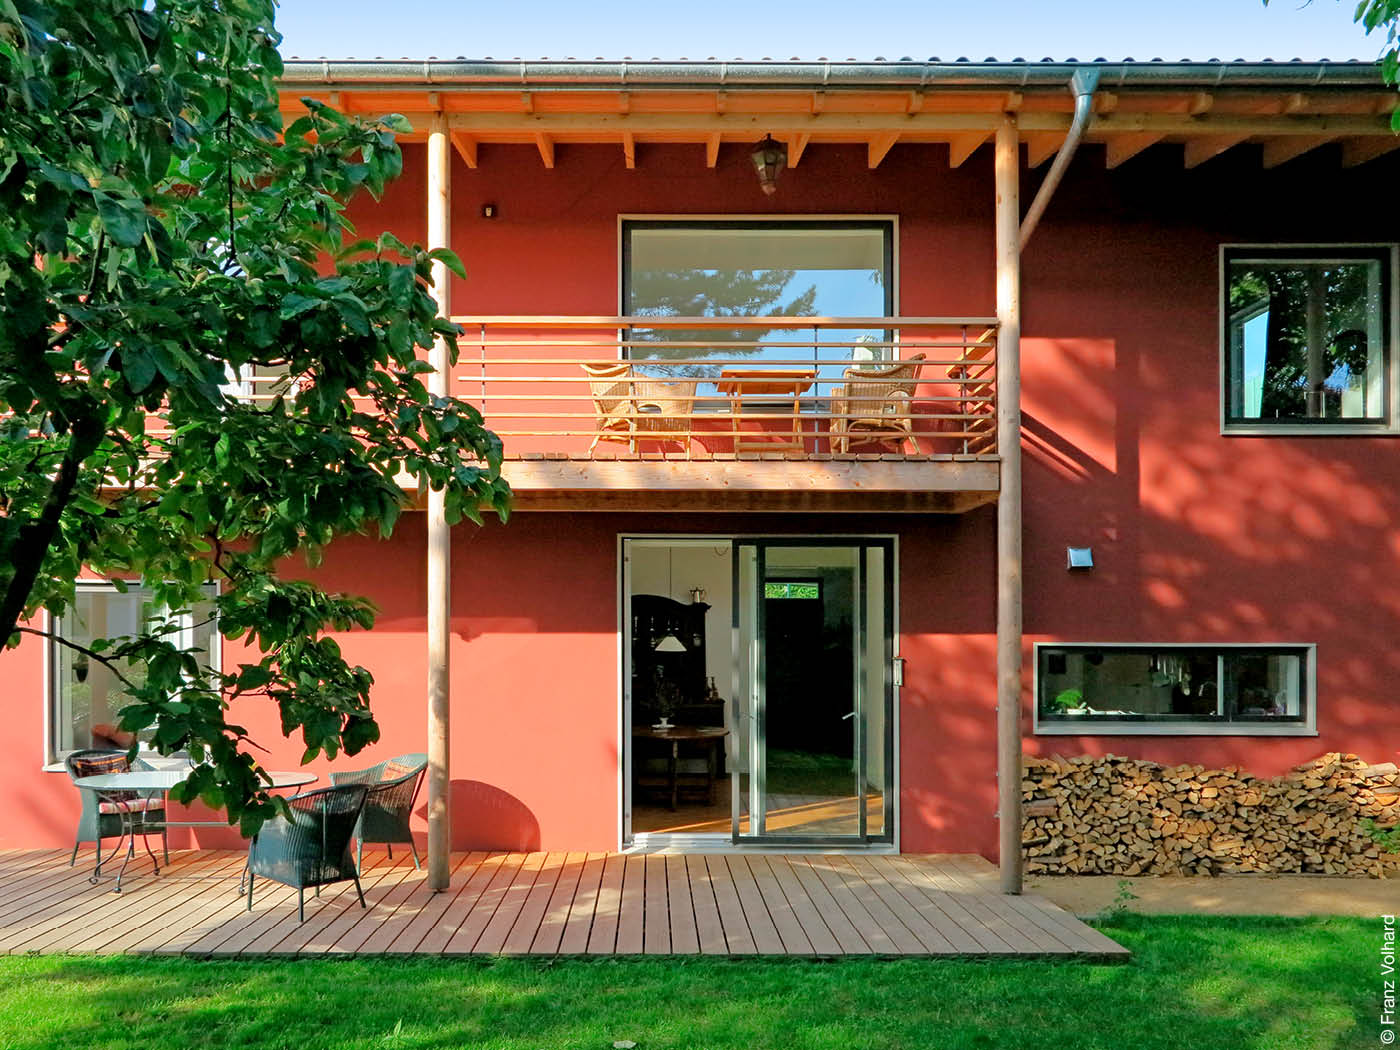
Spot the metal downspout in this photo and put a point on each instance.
(1083, 84)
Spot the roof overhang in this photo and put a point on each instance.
(1289, 108)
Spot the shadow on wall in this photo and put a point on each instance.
(485, 817)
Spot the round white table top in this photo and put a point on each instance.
(165, 779)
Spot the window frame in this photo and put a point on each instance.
(1388, 253)
(1103, 726)
(53, 754)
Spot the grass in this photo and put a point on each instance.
(1245, 984)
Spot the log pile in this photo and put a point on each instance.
(1123, 816)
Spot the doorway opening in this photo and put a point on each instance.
(758, 695)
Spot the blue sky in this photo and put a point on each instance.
(977, 29)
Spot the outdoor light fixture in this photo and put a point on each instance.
(769, 158)
(1080, 557)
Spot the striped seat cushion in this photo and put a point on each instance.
(132, 805)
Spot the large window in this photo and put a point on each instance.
(1174, 688)
(757, 268)
(85, 696)
(1307, 337)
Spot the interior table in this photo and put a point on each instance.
(711, 737)
(772, 385)
(114, 785)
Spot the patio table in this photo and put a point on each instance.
(161, 780)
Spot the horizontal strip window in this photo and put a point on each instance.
(1263, 689)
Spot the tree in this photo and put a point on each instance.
(162, 239)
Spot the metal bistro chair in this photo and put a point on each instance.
(393, 785)
(102, 812)
(876, 404)
(312, 848)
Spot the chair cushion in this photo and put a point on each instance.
(132, 805)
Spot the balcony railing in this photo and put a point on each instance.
(732, 387)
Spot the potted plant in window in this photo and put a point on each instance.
(1068, 702)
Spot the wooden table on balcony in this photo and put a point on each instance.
(774, 385)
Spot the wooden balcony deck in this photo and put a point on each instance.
(570, 904)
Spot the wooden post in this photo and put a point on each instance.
(439, 537)
(1008, 242)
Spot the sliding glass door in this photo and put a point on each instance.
(812, 749)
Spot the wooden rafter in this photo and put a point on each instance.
(878, 146)
(465, 146)
(960, 147)
(1041, 147)
(1200, 150)
(1201, 102)
(545, 145)
(1281, 151)
(1125, 147)
(712, 142)
(796, 146)
(629, 149)
(1359, 151)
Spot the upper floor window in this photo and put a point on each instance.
(85, 696)
(1307, 334)
(1191, 689)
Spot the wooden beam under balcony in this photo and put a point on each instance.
(868, 484)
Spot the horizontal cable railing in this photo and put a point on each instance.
(693, 387)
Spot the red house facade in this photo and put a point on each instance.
(790, 466)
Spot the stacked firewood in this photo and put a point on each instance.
(1124, 816)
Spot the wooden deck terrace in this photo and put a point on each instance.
(546, 904)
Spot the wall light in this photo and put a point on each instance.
(1080, 557)
(769, 158)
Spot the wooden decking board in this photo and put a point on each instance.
(579, 924)
(685, 931)
(904, 913)
(656, 907)
(415, 916)
(738, 934)
(952, 904)
(607, 912)
(904, 942)
(956, 935)
(766, 938)
(709, 927)
(808, 916)
(546, 904)
(550, 931)
(483, 908)
(631, 919)
(532, 913)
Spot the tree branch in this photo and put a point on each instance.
(105, 661)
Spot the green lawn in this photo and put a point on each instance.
(1199, 983)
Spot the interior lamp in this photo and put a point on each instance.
(670, 643)
(769, 158)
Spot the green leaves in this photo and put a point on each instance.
(124, 220)
(164, 255)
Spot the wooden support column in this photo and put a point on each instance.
(1008, 391)
(439, 537)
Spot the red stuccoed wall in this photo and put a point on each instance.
(1196, 537)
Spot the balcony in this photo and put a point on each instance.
(738, 413)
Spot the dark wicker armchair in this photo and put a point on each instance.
(312, 848)
(393, 787)
(101, 816)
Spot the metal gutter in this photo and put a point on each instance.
(545, 74)
(1083, 83)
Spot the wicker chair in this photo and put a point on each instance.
(312, 848)
(101, 816)
(393, 785)
(664, 409)
(876, 404)
(613, 403)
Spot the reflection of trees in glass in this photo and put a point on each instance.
(712, 293)
(1316, 345)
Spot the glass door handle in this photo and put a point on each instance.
(850, 714)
